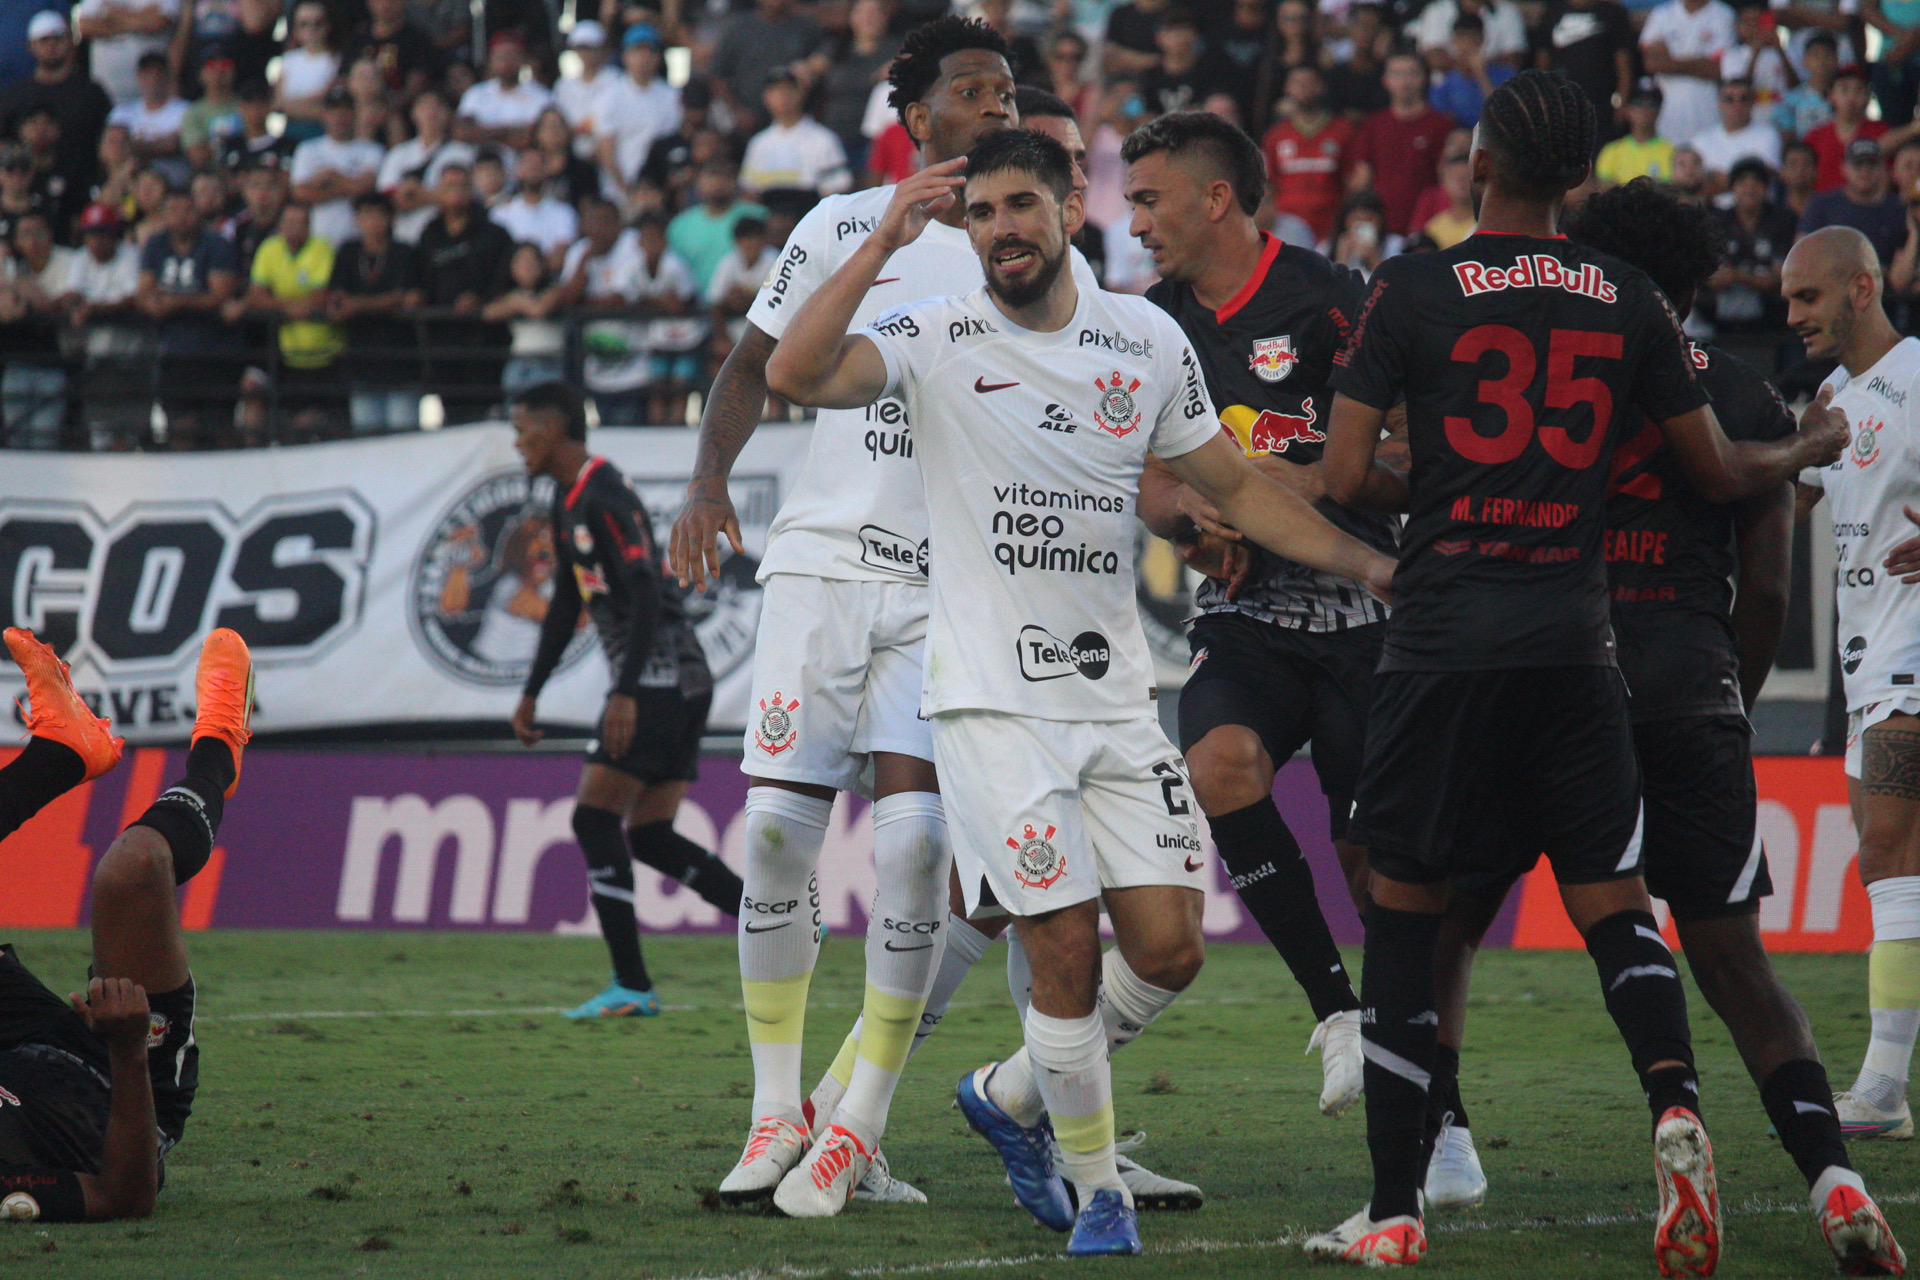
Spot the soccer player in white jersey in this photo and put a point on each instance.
(1832, 284)
(1034, 402)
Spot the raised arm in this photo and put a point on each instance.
(1270, 514)
(1726, 471)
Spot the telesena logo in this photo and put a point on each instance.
(1045, 656)
(1534, 271)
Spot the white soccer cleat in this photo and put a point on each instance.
(1392, 1242)
(1455, 1179)
(1686, 1236)
(820, 1185)
(773, 1146)
(1861, 1119)
(879, 1186)
(1341, 1062)
(1149, 1189)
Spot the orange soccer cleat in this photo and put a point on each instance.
(1387, 1242)
(1858, 1234)
(55, 711)
(224, 689)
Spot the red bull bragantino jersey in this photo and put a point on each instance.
(1524, 362)
(1266, 356)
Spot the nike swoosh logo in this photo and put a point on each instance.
(981, 384)
(884, 280)
(922, 947)
(769, 928)
(1191, 866)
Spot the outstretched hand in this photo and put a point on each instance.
(917, 201)
(1826, 427)
(116, 1010)
(693, 550)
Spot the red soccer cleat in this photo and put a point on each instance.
(55, 711)
(224, 688)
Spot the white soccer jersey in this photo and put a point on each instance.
(1032, 445)
(856, 512)
(1879, 635)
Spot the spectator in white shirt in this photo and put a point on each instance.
(1506, 31)
(795, 152)
(153, 119)
(676, 337)
(737, 280)
(502, 108)
(1681, 45)
(411, 170)
(637, 109)
(329, 171)
(97, 290)
(307, 70)
(1736, 137)
(117, 33)
(533, 216)
(579, 97)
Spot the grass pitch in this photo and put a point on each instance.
(411, 1105)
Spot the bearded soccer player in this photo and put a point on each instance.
(1833, 288)
(637, 770)
(1525, 362)
(96, 1089)
(1282, 654)
(1062, 789)
(1699, 597)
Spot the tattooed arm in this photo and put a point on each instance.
(734, 408)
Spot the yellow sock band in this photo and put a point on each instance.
(1893, 974)
(887, 1024)
(776, 1010)
(1084, 1135)
(842, 1068)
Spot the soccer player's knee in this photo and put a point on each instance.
(1174, 967)
(138, 863)
(1887, 850)
(1228, 768)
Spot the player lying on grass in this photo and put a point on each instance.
(1693, 652)
(94, 1095)
(1061, 788)
(1527, 364)
(637, 770)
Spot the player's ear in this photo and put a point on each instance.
(1073, 213)
(918, 118)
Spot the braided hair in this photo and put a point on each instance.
(1540, 126)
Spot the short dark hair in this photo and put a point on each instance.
(1025, 150)
(151, 58)
(1233, 155)
(1540, 127)
(374, 200)
(1823, 38)
(650, 218)
(917, 66)
(1038, 104)
(1645, 226)
(1750, 167)
(556, 397)
(746, 227)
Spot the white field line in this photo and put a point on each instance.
(1751, 1207)
(695, 1007)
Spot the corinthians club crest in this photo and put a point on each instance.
(776, 731)
(1037, 863)
(1117, 414)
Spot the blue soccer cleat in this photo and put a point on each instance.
(1027, 1153)
(618, 1002)
(1107, 1225)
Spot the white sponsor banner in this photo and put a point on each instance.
(379, 581)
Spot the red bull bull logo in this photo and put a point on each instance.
(1265, 431)
(1273, 358)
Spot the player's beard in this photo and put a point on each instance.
(1031, 288)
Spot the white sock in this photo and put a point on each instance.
(905, 937)
(965, 946)
(1126, 1007)
(1833, 1176)
(1893, 992)
(1070, 1065)
(779, 937)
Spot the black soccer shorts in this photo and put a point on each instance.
(1537, 758)
(666, 737)
(1289, 686)
(1701, 853)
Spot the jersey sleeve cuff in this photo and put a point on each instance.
(889, 357)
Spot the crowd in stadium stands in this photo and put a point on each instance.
(233, 222)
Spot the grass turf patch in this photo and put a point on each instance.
(412, 1105)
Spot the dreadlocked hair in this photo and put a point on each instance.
(1541, 126)
(915, 68)
(1644, 226)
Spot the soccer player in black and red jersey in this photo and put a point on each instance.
(1694, 652)
(1525, 361)
(649, 745)
(1282, 654)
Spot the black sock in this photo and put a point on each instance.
(1648, 1004)
(1799, 1101)
(1399, 1025)
(44, 771)
(187, 816)
(1443, 1097)
(659, 846)
(1276, 884)
(212, 759)
(610, 869)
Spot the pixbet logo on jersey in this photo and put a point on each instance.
(1273, 358)
(1037, 864)
(776, 731)
(1045, 656)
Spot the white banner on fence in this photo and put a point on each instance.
(381, 581)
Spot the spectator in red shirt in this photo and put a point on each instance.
(1397, 154)
(1307, 152)
(1848, 97)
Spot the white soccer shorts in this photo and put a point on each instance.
(1858, 722)
(1050, 813)
(836, 677)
